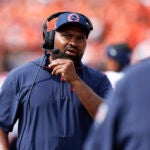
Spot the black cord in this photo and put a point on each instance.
(28, 98)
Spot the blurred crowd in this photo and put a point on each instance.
(114, 21)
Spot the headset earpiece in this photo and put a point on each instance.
(49, 40)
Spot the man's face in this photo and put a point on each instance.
(71, 40)
(112, 65)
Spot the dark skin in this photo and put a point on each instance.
(4, 143)
(73, 40)
(112, 65)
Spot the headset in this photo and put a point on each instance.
(49, 36)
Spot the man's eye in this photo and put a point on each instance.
(66, 36)
(81, 39)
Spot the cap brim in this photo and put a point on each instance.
(59, 28)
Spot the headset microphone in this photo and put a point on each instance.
(55, 51)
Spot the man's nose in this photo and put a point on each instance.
(73, 42)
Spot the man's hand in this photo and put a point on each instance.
(64, 67)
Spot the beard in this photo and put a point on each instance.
(76, 59)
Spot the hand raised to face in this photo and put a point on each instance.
(64, 67)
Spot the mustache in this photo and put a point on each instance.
(56, 53)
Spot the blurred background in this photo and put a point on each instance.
(114, 21)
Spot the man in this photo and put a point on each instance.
(118, 57)
(126, 125)
(55, 99)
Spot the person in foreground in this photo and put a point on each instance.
(126, 125)
(56, 96)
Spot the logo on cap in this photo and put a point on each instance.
(73, 18)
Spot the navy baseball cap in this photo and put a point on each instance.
(73, 18)
(120, 52)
